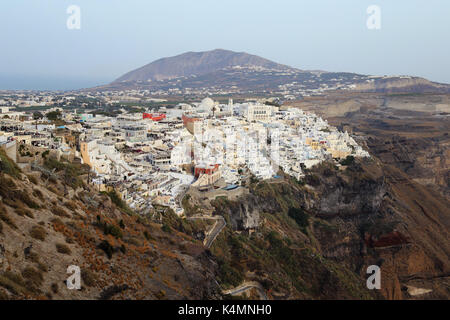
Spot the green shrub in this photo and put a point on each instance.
(312, 180)
(71, 171)
(229, 275)
(111, 229)
(300, 217)
(166, 228)
(347, 161)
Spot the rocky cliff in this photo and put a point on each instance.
(343, 220)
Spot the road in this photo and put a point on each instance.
(212, 234)
(248, 286)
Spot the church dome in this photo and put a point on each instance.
(206, 105)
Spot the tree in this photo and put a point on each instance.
(53, 115)
(37, 115)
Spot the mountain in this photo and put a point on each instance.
(223, 72)
(198, 63)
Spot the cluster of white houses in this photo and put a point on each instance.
(151, 158)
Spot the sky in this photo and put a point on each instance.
(38, 51)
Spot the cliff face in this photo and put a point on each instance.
(401, 84)
(366, 214)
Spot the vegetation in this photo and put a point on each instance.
(14, 283)
(59, 211)
(37, 232)
(300, 217)
(347, 161)
(107, 248)
(34, 278)
(6, 218)
(24, 212)
(229, 275)
(117, 200)
(8, 166)
(53, 115)
(108, 228)
(71, 171)
(88, 277)
(62, 248)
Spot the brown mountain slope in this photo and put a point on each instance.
(46, 225)
(315, 238)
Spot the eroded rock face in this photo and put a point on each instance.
(343, 201)
(244, 214)
(357, 190)
(365, 214)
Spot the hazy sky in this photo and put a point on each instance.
(38, 51)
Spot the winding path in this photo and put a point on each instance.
(212, 234)
(248, 285)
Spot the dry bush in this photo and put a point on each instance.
(33, 179)
(42, 267)
(33, 256)
(54, 287)
(58, 211)
(13, 282)
(62, 248)
(71, 205)
(24, 212)
(88, 277)
(38, 194)
(52, 189)
(37, 232)
(34, 279)
(6, 218)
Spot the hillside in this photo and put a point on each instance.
(315, 238)
(50, 221)
(309, 239)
